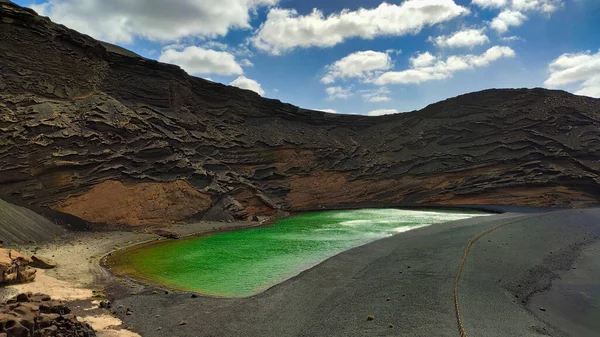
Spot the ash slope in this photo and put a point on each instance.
(98, 132)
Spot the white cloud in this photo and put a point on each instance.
(331, 111)
(424, 68)
(463, 38)
(582, 69)
(246, 83)
(376, 95)
(511, 38)
(546, 6)
(360, 64)
(120, 21)
(512, 11)
(490, 3)
(382, 112)
(200, 61)
(246, 63)
(338, 92)
(422, 60)
(506, 19)
(285, 30)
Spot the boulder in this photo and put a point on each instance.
(30, 314)
(14, 267)
(166, 234)
(42, 262)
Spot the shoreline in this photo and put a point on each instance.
(415, 271)
(81, 268)
(147, 281)
(81, 280)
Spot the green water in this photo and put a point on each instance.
(246, 262)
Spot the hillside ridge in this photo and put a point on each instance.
(95, 131)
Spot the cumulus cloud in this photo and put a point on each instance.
(426, 67)
(361, 64)
(512, 13)
(581, 69)
(338, 92)
(490, 3)
(382, 112)
(422, 60)
(120, 21)
(246, 83)
(463, 38)
(506, 19)
(285, 30)
(546, 6)
(199, 61)
(376, 95)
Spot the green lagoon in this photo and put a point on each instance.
(246, 262)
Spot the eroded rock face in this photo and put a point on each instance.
(137, 204)
(87, 128)
(37, 315)
(14, 267)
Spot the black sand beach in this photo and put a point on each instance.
(536, 276)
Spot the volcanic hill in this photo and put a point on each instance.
(98, 132)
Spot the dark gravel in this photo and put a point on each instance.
(507, 278)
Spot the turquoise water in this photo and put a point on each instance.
(245, 262)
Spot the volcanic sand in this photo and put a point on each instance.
(506, 287)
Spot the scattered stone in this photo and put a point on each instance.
(543, 309)
(390, 325)
(30, 314)
(388, 299)
(370, 317)
(194, 296)
(183, 323)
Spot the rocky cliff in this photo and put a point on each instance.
(98, 132)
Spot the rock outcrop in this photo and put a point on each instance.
(37, 315)
(14, 267)
(101, 133)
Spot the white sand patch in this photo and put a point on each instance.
(57, 289)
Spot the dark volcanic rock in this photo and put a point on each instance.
(95, 131)
(166, 234)
(37, 315)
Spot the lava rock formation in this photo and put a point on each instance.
(98, 132)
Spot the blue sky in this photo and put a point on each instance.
(351, 56)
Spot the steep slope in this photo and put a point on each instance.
(98, 132)
(22, 226)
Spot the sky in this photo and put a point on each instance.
(355, 56)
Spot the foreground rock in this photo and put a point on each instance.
(166, 234)
(42, 262)
(38, 315)
(122, 139)
(14, 267)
